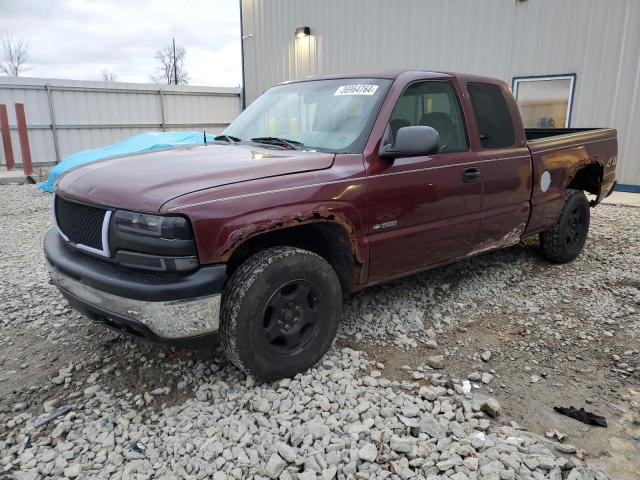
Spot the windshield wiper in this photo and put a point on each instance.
(282, 142)
(227, 138)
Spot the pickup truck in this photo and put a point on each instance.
(319, 189)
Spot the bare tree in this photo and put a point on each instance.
(14, 53)
(170, 68)
(107, 76)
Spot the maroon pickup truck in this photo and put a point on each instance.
(320, 188)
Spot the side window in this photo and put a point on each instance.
(495, 125)
(433, 104)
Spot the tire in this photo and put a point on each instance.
(565, 240)
(280, 312)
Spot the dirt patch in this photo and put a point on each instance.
(529, 383)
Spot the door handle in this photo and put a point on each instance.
(470, 174)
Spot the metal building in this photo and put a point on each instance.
(570, 62)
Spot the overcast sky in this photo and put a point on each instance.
(78, 39)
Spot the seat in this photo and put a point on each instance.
(442, 123)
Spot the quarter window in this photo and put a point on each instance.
(495, 125)
(433, 104)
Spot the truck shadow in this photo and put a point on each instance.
(435, 291)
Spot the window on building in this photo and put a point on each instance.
(545, 102)
(433, 104)
(495, 125)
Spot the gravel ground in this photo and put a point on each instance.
(451, 373)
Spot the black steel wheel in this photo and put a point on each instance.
(566, 239)
(291, 318)
(280, 312)
(575, 227)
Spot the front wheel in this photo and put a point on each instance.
(565, 240)
(280, 312)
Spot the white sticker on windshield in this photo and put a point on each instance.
(356, 90)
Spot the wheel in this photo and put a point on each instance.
(280, 312)
(565, 240)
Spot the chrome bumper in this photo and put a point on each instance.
(171, 320)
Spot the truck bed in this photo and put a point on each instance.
(546, 139)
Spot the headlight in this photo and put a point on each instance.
(171, 228)
(153, 242)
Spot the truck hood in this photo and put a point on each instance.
(144, 182)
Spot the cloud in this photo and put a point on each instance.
(78, 39)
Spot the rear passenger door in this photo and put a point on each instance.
(505, 165)
(422, 208)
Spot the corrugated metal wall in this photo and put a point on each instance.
(92, 114)
(598, 40)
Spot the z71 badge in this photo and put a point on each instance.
(380, 226)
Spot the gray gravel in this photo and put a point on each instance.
(323, 424)
(141, 411)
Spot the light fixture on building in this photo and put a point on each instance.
(302, 32)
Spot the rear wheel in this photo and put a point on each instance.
(565, 240)
(280, 312)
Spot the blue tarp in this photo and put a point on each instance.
(140, 143)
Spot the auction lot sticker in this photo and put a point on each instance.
(356, 90)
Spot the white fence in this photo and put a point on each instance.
(67, 116)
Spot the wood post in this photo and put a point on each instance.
(23, 134)
(6, 138)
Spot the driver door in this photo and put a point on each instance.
(424, 210)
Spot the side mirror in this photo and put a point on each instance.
(413, 141)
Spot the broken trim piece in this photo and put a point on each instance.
(582, 416)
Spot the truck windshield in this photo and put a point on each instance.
(323, 115)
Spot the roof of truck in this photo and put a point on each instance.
(393, 74)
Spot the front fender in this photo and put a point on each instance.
(235, 231)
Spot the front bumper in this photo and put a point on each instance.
(174, 309)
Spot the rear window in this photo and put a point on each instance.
(495, 125)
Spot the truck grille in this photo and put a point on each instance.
(82, 224)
